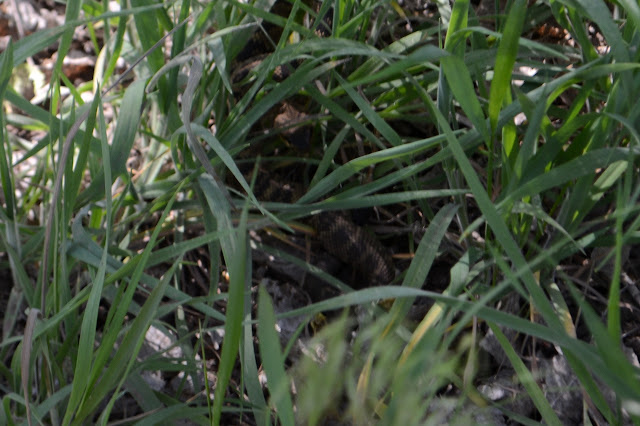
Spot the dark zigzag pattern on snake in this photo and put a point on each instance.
(339, 236)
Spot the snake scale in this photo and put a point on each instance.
(338, 235)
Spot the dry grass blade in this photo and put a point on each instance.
(25, 357)
(195, 74)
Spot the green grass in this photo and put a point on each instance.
(420, 123)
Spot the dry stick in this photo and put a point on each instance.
(17, 18)
(66, 148)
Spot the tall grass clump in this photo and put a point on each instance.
(503, 160)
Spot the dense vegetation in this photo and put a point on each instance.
(497, 143)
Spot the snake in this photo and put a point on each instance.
(337, 233)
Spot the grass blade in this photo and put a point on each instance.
(526, 378)
(505, 59)
(273, 360)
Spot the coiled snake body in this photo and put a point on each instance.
(338, 234)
